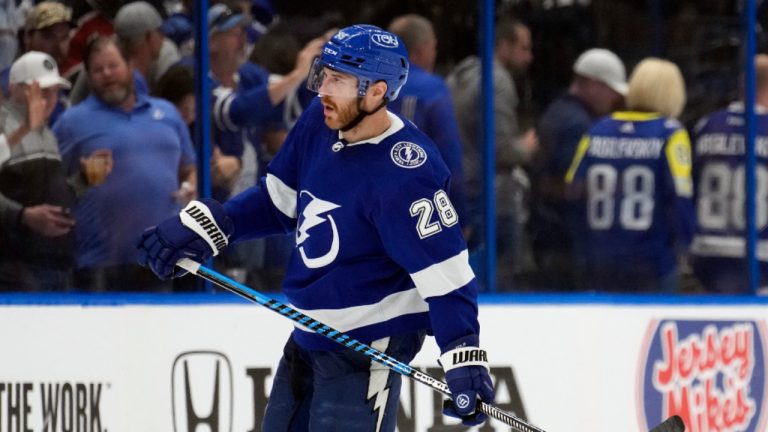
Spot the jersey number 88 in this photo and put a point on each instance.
(720, 204)
(637, 197)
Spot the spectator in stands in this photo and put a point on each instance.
(632, 176)
(512, 55)
(178, 86)
(718, 250)
(243, 98)
(91, 17)
(426, 100)
(137, 26)
(179, 28)
(10, 21)
(35, 196)
(154, 170)
(47, 29)
(229, 72)
(598, 87)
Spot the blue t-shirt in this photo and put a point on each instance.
(719, 245)
(379, 250)
(149, 144)
(634, 172)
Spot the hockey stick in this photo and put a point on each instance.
(316, 326)
(672, 424)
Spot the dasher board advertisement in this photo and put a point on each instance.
(562, 367)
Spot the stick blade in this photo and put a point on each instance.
(672, 424)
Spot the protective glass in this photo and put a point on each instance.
(328, 82)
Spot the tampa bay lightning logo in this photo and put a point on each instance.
(462, 401)
(408, 155)
(327, 234)
(386, 40)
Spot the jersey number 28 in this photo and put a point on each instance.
(424, 209)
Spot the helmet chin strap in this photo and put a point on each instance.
(362, 114)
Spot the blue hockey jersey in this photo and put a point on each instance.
(632, 172)
(718, 247)
(379, 250)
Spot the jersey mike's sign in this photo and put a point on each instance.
(710, 373)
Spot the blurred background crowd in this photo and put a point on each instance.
(98, 114)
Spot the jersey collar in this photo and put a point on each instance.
(395, 124)
(635, 115)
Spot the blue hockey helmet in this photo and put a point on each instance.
(367, 52)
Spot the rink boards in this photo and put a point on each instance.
(583, 363)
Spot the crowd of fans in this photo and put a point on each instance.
(605, 191)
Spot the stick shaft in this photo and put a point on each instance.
(672, 424)
(312, 324)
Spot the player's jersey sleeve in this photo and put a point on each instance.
(248, 105)
(235, 109)
(420, 230)
(679, 162)
(270, 206)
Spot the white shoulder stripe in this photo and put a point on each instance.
(444, 277)
(392, 306)
(282, 195)
(225, 118)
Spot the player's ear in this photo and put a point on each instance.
(379, 90)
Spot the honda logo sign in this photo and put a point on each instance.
(202, 392)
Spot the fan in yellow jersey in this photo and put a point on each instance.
(631, 185)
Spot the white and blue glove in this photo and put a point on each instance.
(466, 372)
(200, 231)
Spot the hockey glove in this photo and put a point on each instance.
(200, 231)
(466, 371)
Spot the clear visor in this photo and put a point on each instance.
(328, 82)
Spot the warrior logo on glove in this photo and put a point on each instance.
(462, 401)
(198, 218)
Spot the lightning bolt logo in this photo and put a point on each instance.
(311, 218)
(408, 155)
(377, 384)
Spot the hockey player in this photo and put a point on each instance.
(718, 247)
(632, 174)
(379, 251)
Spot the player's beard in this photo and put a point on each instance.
(343, 114)
(116, 94)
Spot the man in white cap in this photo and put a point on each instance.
(35, 248)
(598, 88)
(47, 29)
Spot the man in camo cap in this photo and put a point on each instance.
(48, 28)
